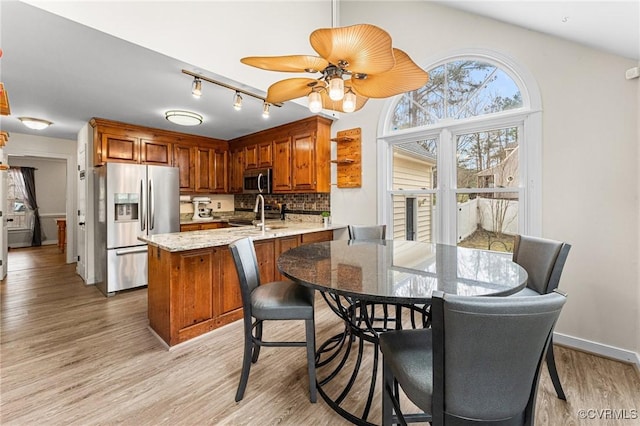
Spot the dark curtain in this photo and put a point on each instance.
(28, 174)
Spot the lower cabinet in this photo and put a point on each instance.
(193, 292)
(202, 226)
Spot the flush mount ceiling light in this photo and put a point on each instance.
(35, 123)
(183, 118)
(356, 63)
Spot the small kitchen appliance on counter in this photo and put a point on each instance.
(199, 211)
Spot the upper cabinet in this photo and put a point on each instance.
(298, 152)
(236, 169)
(203, 162)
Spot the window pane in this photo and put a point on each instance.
(488, 221)
(414, 165)
(488, 159)
(414, 217)
(457, 90)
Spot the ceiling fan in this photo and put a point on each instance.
(356, 63)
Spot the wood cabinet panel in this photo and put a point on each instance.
(236, 170)
(220, 171)
(195, 287)
(184, 159)
(303, 161)
(282, 165)
(156, 152)
(120, 148)
(203, 169)
(230, 295)
(281, 245)
(251, 156)
(265, 154)
(316, 237)
(265, 253)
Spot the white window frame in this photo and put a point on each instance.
(529, 121)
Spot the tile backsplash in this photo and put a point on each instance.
(296, 203)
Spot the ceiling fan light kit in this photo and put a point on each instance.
(357, 62)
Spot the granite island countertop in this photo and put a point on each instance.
(192, 240)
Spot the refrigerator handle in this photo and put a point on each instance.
(152, 207)
(143, 213)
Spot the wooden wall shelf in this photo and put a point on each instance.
(348, 158)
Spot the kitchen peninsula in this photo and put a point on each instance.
(193, 287)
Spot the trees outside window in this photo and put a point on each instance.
(455, 146)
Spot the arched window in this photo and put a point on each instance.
(460, 156)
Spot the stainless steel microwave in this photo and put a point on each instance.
(257, 181)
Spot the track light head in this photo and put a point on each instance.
(237, 102)
(196, 87)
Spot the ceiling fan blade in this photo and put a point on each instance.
(405, 76)
(366, 48)
(291, 88)
(328, 103)
(291, 63)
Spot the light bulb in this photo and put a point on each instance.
(265, 110)
(349, 101)
(237, 102)
(336, 88)
(315, 102)
(196, 89)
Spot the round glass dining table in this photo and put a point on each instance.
(380, 285)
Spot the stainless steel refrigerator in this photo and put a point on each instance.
(131, 200)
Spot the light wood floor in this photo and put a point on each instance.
(70, 356)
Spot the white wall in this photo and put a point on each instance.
(590, 154)
(63, 149)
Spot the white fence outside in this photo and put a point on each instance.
(486, 212)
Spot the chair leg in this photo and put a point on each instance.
(246, 363)
(553, 372)
(387, 386)
(311, 358)
(256, 347)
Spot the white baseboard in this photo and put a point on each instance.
(601, 349)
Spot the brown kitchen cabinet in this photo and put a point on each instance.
(118, 148)
(156, 151)
(185, 227)
(210, 170)
(236, 170)
(281, 178)
(184, 157)
(299, 154)
(281, 245)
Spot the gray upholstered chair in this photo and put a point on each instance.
(543, 260)
(278, 300)
(367, 232)
(479, 363)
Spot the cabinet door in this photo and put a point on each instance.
(230, 298)
(282, 164)
(236, 170)
(120, 148)
(220, 180)
(184, 159)
(265, 154)
(154, 151)
(251, 156)
(265, 252)
(303, 161)
(204, 169)
(189, 227)
(283, 244)
(196, 289)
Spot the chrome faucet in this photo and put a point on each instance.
(260, 199)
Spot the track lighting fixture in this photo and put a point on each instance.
(237, 101)
(196, 89)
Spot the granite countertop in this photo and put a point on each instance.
(183, 241)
